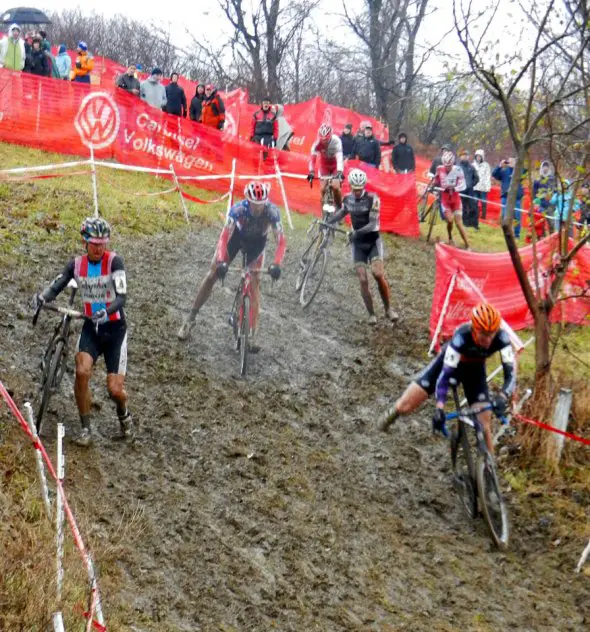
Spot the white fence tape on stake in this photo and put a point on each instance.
(443, 313)
(232, 183)
(283, 192)
(94, 182)
(58, 623)
(40, 464)
(583, 558)
(184, 209)
(120, 167)
(52, 167)
(59, 516)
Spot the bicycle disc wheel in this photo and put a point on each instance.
(244, 334)
(53, 372)
(313, 278)
(304, 263)
(463, 470)
(493, 506)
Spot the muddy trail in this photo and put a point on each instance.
(272, 502)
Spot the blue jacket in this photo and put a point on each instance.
(504, 175)
(561, 203)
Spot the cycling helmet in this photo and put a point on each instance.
(95, 230)
(485, 319)
(448, 158)
(357, 179)
(256, 192)
(325, 132)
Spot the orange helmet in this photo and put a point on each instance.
(485, 319)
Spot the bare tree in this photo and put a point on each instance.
(532, 89)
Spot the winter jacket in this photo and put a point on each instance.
(561, 203)
(285, 130)
(368, 150)
(434, 165)
(64, 65)
(37, 63)
(504, 175)
(349, 143)
(175, 100)
(546, 184)
(12, 52)
(484, 172)
(264, 126)
(128, 83)
(153, 92)
(196, 106)
(213, 112)
(470, 173)
(402, 158)
(83, 67)
(53, 69)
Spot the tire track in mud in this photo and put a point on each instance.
(271, 502)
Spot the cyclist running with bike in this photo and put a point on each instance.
(328, 150)
(102, 284)
(463, 359)
(246, 229)
(367, 247)
(450, 179)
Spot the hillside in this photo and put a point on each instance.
(271, 502)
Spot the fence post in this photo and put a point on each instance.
(184, 209)
(59, 514)
(560, 419)
(39, 459)
(232, 182)
(443, 313)
(282, 186)
(94, 182)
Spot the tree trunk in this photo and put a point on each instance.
(542, 352)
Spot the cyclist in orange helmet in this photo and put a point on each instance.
(463, 359)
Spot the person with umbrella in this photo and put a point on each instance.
(12, 49)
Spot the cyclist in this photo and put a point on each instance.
(246, 229)
(463, 359)
(328, 149)
(102, 284)
(367, 247)
(451, 179)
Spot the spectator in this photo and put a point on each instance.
(152, 91)
(175, 98)
(544, 188)
(348, 142)
(197, 103)
(213, 112)
(368, 148)
(285, 130)
(437, 162)
(53, 69)
(264, 128)
(29, 42)
(45, 45)
(482, 188)
(12, 50)
(361, 131)
(63, 63)
(503, 173)
(468, 201)
(561, 201)
(36, 62)
(84, 64)
(402, 156)
(129, 82)
(584, 201)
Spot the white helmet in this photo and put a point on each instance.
(448, 158)
(357, 179)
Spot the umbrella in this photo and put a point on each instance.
(24, 15)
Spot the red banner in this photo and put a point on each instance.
(493, 276)
(69, 118)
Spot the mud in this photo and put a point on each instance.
(271, 502)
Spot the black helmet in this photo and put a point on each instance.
(95, 230)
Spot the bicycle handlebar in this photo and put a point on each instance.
(66, 311)
(332, 227)
(469, 412)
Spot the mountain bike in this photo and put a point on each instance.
(428, 210)
(475, 477)
(54, 360)
(241, 314)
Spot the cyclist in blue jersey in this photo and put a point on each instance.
(246, 230)
(463, 360)
(102, 285)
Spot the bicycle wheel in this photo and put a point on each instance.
(304, 262)
(313, 278)
(52, 374)
(234, 317)
(424, 209)
(433, 211)
(493, 507)
(463, 470)
(244, 334)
